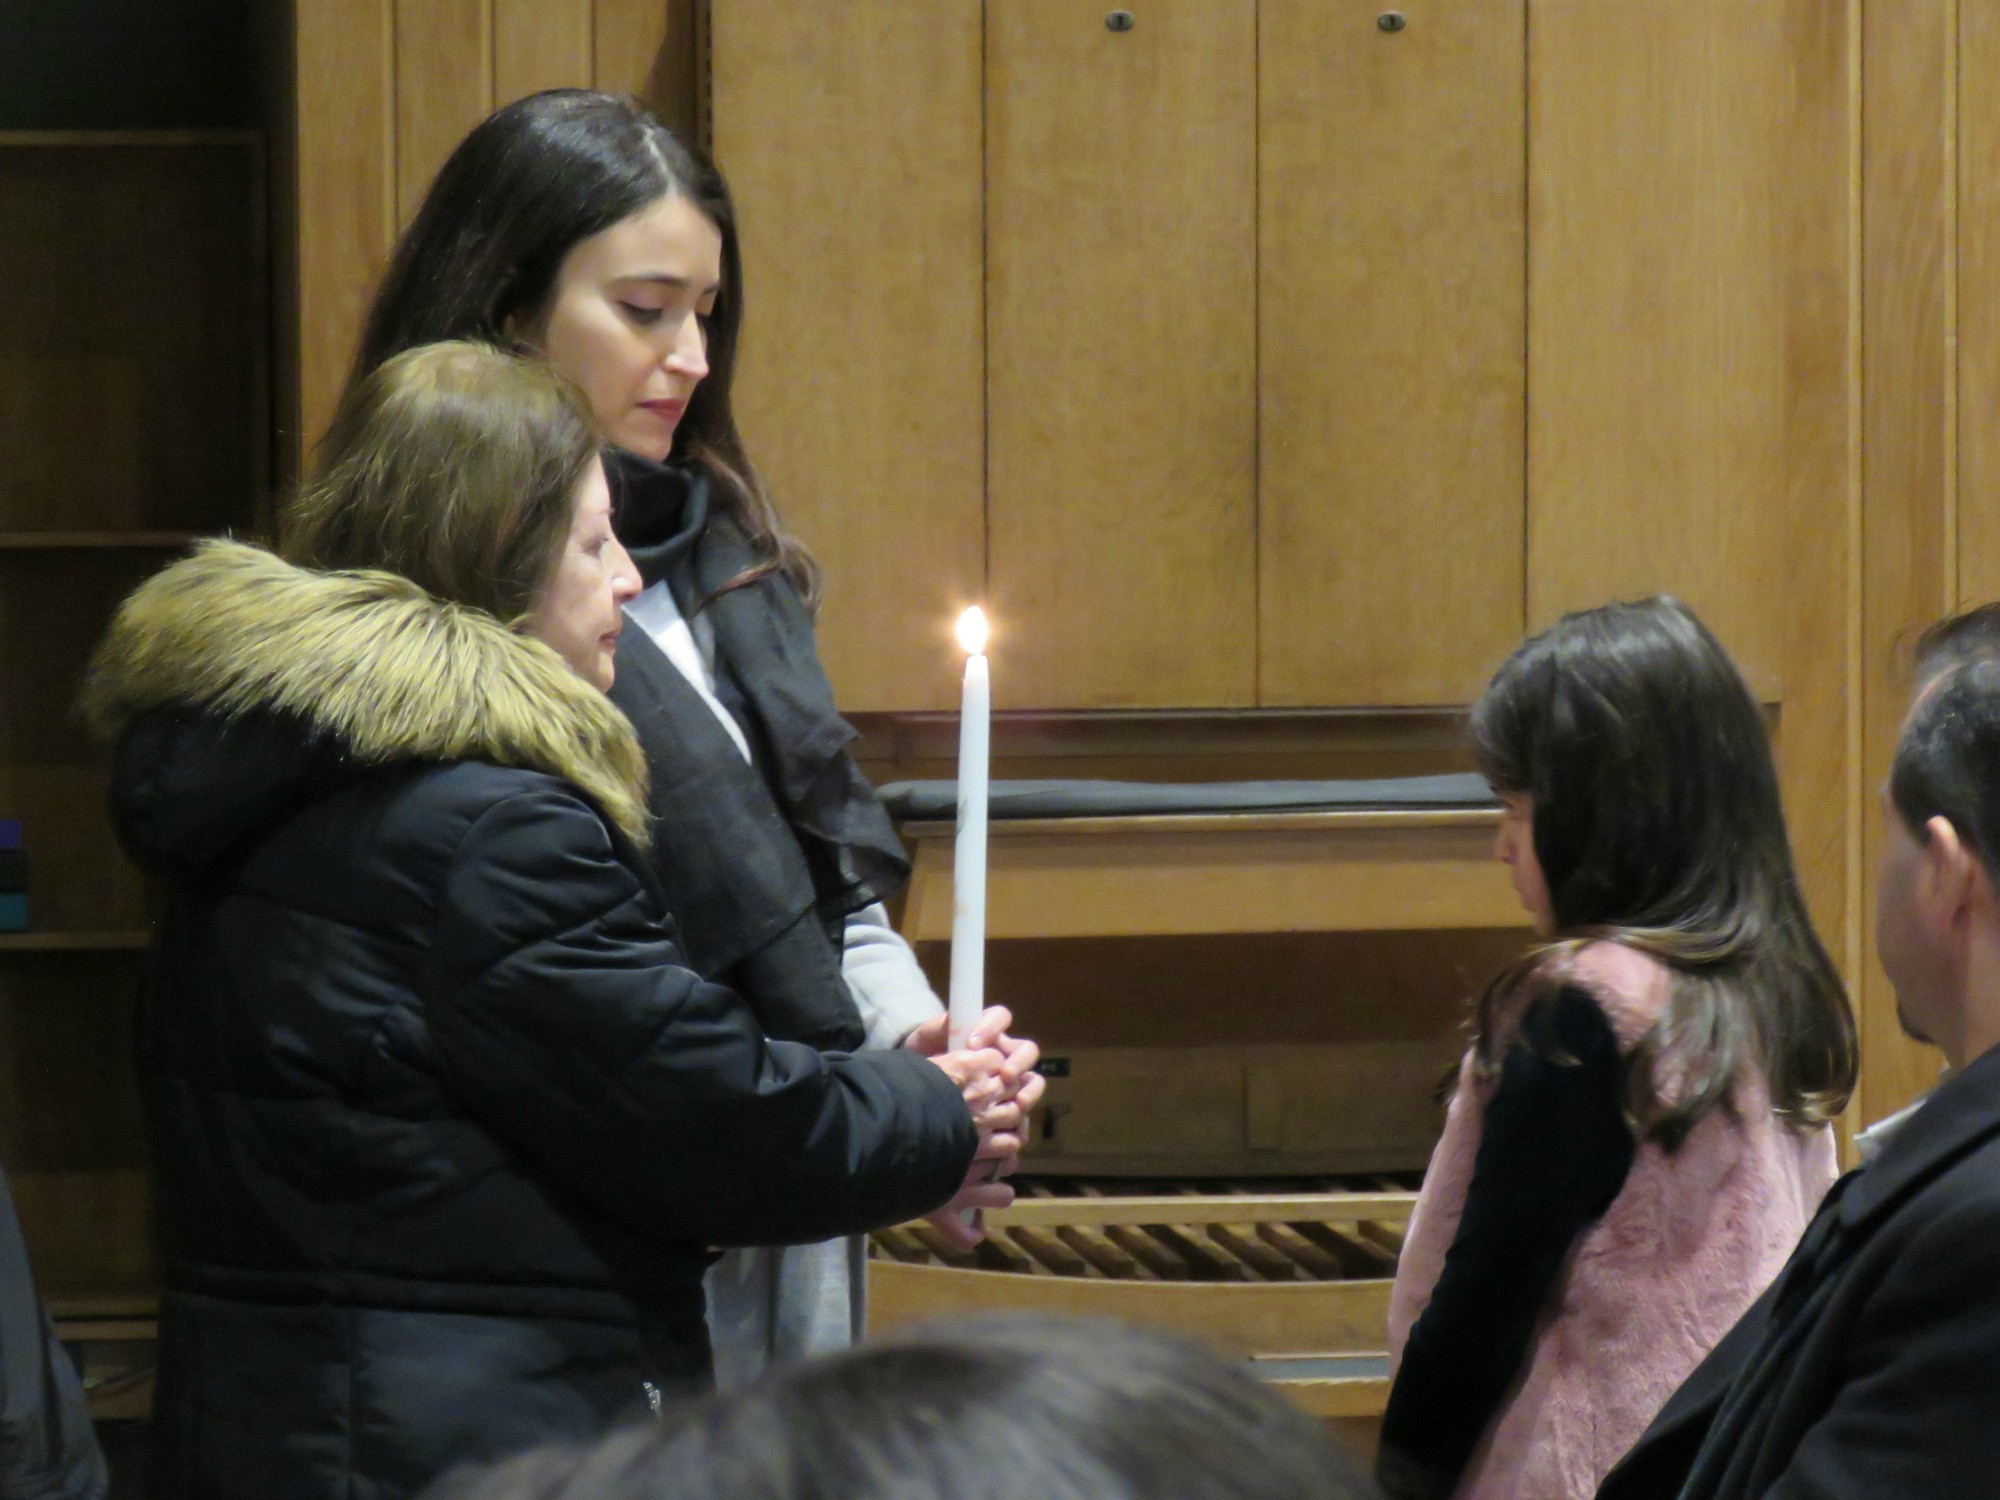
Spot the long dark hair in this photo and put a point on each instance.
(518, 193)
(1658, 825)
(1000, 1409)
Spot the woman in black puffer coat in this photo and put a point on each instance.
(443, 1126)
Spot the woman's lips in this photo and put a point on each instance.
(668, 411)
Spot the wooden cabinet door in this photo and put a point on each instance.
(540, 44)
(1392, 236)
(851, 135)
(444, 87)
(1978, 305)
(1688, 329)
(1121, 322)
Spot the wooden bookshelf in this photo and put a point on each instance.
(135, 417)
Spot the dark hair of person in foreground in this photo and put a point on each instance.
(999, 1409)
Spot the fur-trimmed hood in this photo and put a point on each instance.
(355, 669)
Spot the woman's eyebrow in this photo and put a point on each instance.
(668, 278)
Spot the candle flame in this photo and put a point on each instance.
(973, 630)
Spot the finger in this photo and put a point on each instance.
(1021, 1059)
(991, 1025)
(954, 1231)
(982, 1062)
(928, 1040)
(986, 1195)
(1000, 1144)
(1032, 1088)
(1005, 1115)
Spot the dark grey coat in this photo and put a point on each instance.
(47, 1448)
(1871, 1368)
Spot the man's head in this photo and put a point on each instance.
(1937, 918)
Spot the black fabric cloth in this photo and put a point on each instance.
(925, 801)
(1554, 1151)
(1867, 1368)
(48, 1450)
(443, 1126)
(762, 864)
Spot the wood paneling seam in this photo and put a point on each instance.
(1952, 187)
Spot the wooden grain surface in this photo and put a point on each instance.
(1978, 560)
(1909, 477)
(345, 69)
(648, 48)
(1121, 307)
(1238, 1320)
(1391, 379)
(1818, 734)
(1222, 1109)
(1222, 880)
(860, 386)
(1668, 289)
(444, 87)
(1234, 1208)
(1819, 731)
(540, 44)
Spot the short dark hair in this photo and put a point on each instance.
(1000, 1409)
(1970, 635)
(1947, 762)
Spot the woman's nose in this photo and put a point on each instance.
(689, 356)
(625, 580)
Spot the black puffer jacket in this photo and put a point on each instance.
(442, 1126)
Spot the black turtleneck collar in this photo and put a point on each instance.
(659, 512)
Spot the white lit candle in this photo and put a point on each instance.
(968, 868)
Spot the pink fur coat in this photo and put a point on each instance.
(1687, 1245)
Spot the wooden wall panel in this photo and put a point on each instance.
(1908, 483)
(1979, 303)
(1818, 730)
(346, 156)
(649, 48)
(860, 380)
(1121, 306)
(444, 87)
(1392, 301)
(1667, 288)
(540, 44)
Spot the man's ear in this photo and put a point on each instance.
(1953, 880)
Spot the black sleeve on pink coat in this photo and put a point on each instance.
(1554, 1151)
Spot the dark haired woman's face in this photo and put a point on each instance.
(625, 320)
(1514, 847)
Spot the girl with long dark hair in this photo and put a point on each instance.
(1640, 1130)
(575, 224)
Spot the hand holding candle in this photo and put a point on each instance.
(968, 870)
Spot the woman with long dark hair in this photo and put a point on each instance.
(1640, 1131)
(443, 1124)
(575, 224)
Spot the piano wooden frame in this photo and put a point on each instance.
(1321, 1340)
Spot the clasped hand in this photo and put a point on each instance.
(996, 1076)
